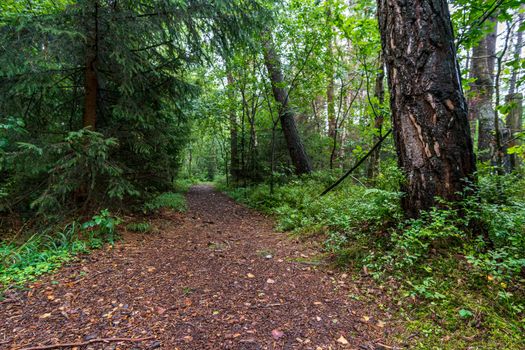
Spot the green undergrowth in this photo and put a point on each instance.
(43, 253)
(170, 200)
(23, 259)
(456, 275)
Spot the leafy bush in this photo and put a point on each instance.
(352, 211)
(102, 225)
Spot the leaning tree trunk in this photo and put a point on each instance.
(89, 119)
(234, 147)
(429, 112)
(481, 108)
(296, 148)
(379, 93)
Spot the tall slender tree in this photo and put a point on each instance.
(300, 159)
(429, 111)
(514, 120)
(481, 108)
(234, 146)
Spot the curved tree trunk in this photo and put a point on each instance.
(234, 147)
(296, 148)
(429, 112)
(379, 93)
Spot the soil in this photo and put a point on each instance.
(215, 277)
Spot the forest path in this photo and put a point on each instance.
(216, 277)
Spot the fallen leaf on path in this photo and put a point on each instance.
(188, 338)
(250, 275)
(342, 340)
(45, 315)
(277, 334)
(270, 281)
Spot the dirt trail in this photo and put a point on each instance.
(216, 277)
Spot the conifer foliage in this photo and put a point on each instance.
(94, 94)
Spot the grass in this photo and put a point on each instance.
(141, 227)
(170, 200)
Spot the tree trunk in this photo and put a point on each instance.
(515, 126)
(296, 148)
(429, 112)
(332, 122)
(515, 100)
(517, 50)
(330, 103)
(379, 93)
(91, 79)
(480, 102)
(234, 147)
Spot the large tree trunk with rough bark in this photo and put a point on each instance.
(234, 146)
(89, 119)
(296, 148)
(429, 112)
(481, 108)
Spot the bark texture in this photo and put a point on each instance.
(429, 112)
(296, 148)
(89, 119)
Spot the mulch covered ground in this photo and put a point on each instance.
(216, 277)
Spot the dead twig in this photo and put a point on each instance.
(92, 276)
(92, 341)
(387, 346)
(265, 306)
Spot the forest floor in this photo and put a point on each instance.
(215, 277)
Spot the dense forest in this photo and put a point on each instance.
(387, 134)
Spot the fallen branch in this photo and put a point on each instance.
(331, 187)
(92, 341)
